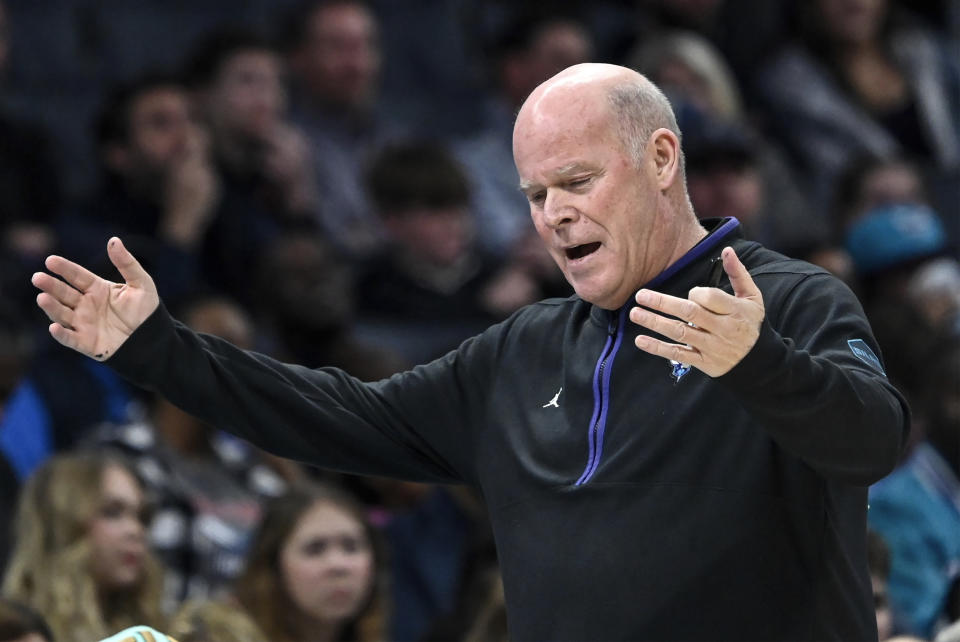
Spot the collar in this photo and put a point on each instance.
(699, 266)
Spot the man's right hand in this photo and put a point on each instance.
(92, 315)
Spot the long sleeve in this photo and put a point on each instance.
(417, 425)
(815, 382)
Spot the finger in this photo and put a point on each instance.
(130, 269)
(670, 328)
(740, 279)
(55, 311)
(713, 300)
(64, 336)
(676, 307)
(76, 275)
(673, 351)
(56, 288)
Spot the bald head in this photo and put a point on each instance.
(636, 107)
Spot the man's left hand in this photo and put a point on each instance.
(714, 330)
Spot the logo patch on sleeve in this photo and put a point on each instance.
(862, 351)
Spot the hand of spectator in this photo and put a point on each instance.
(90, 314)
(192, 192)
(289, 165)
(714, 330)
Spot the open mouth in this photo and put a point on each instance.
(580, 251)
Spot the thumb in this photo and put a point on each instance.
(130, 269)
(740, 279)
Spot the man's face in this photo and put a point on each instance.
(159, 129)
(247, 97)
(339, 61)
(592, 206)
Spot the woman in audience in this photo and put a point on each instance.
(80, 557)
(862, 79)
(314, 571)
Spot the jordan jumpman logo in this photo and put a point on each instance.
(553, 402)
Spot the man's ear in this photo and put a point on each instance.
(664, 149)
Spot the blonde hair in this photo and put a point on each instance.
(697, 54)
(50, 566)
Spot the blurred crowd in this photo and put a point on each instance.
(332, 183)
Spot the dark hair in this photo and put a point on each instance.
(18, 620)
(520, 33)
(206, 61)
(295, 25)
(848, 187)
(416, 174)
(113, 120)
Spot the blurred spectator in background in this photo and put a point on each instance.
(533, 48)
(81, 557)
(334, 56)
(315, 572)
(433, 287)
(264, 162)
(916, 509)
(858, 80)
(732, 169)
(199, 621)
(158, 190)
(207, 487)
(441, 548)
(29, 193)
(20, 623)
(305, 308)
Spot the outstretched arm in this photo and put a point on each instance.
(90, 314)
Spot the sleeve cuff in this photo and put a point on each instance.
(761, 364)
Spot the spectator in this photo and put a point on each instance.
(20, 623)
(860, 80)
(334, 56)
(208, 487)
(159, 188)
(916, 509)
(315, 572)
(264, 162)
(81, 557)
(735, 171)
(306, 308)
(434, 287)
(529, 51)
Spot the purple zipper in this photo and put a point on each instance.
(601, 395)
(615, 331)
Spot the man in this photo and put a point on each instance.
(334, 57)
(718, 496)
(159, 189)
(530, 51)
(264, 162)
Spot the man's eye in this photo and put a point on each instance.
(579, 182)
(538, 197)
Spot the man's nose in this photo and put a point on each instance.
(557, 209)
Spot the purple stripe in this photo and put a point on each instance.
(696, 252)
(596, 408)
(605, 406)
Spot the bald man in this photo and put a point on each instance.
(680, 451)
